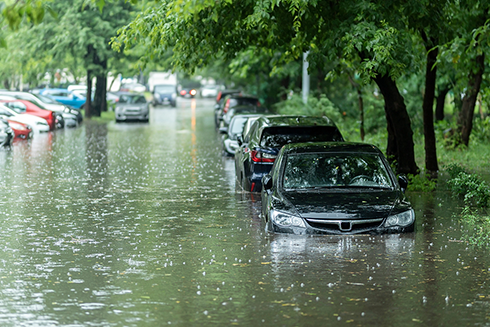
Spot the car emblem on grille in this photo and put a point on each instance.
(345, 226)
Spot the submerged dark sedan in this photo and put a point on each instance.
(334, 188)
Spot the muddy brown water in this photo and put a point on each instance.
(139, 225)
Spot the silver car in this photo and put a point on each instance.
(132, 106)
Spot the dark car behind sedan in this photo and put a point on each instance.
(230, 101)
(165, 94)
(334, 188)
(259, 148)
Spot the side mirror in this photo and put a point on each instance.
(267, 182)
(239, 140)
(223, 130)
(403, 181)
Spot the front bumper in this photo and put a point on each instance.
(310, 230)
(132, 116)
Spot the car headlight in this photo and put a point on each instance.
(285, 219)
(402, 219)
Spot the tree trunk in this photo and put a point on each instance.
(400, 134)
(465, 120)
(88, 102)
(100, 98)
(428, 112)
(100, 103)
(440, 101)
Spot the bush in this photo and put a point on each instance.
(315, 107)
(474, 190)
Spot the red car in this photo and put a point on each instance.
(24, 106)
(21, 131)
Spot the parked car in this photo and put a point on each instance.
(235, 129)
(38, 124)
(334, 188)
(230, 101)
(70, 116)
(268, 135)
(132, 87)
(22, 131)
(165, 94)
(223, 93)
(69, 98)
(242, 110)
(188, 92)
(49, 103)
(6, 133)
(24, 106)
(210, 90)
(132, 106)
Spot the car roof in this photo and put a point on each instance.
(294, 121)
(133, 94)
(55, 89)
(245, 115)
(353, 147)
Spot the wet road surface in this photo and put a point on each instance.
(139, 225)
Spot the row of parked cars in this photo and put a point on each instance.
(310, 179)
(23, 114)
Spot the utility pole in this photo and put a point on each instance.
(306, 78)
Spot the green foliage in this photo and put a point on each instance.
(478, 227)
(474, 190)
(421, 183)
(314, 107)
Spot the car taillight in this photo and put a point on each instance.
(183, 92)
(227, 106)
(261, 156)
(192, 92)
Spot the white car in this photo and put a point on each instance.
(210, 91)
(38, 124)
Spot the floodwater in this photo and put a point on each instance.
(139, 225)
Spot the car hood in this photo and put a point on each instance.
(341, 205)
(131, 105)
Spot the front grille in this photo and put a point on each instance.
(345, 226)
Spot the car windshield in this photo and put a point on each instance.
(243, 101)
(164, 88)
(132, 99)
(333, 170)
(276, 137)
(236, 126)
(46, 99)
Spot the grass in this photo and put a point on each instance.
(105, 117)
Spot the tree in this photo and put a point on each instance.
(79, 32)
(198, 32)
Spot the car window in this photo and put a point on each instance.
(243, 101)
(312, 170)
(276, 137)
(5, 112)
(164, 88)
(17, 106)
(132, 99)
(236, 125)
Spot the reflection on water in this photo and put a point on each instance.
(138, 224)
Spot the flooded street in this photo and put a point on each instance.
(137, 224)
